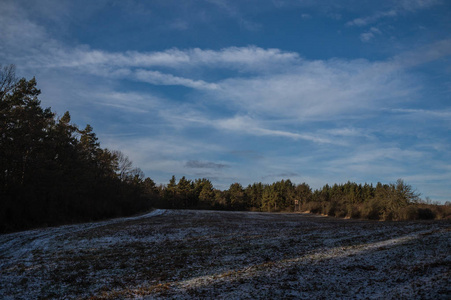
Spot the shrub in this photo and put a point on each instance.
(372, 210)
(388, 215)
(341, 211)
(314, 207)
(331, 208)
(354, 211)
(441, 211)
(407, 213)
(425, 214)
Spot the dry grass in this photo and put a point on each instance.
(205, 254)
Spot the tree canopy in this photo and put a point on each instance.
(53, 172)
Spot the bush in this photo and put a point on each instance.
(441, 211)
(372, 210)
(331, 208)
(354, 211)
(314, 207)
(389, 215)
(425, 214)
(341, 211)
(407, 213)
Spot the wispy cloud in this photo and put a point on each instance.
(17, 32)
(425, 54)
(373, 18)
(318, 89)
(276, 83)
(399, 7)
(132, 102)
(244, 59)
(413, 5)
(370, 34)
(195, 164)
(424, 113)
(158, 78)
(378, 153)
(233, 12)
(281, 83)
(245, 124)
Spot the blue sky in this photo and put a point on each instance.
(250, 91)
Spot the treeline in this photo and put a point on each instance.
(51, 171)
(395, 201)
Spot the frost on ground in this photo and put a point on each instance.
(228, 255)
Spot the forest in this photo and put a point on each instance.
(53, 172)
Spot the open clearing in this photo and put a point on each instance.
(228, 255)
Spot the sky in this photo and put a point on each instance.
(249, 91)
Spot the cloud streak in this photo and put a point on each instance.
(399, 7)
(249, 58)
(158, 78)
(195, 164)
(244, 124)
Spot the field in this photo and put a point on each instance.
(228, 255)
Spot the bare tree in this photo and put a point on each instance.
(8, 80)
(124, 166)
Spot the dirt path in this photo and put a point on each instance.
(233, 255)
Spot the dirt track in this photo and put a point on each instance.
(229, 255)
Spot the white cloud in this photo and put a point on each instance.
(245, 124)
(18, 33)
(279, 84)
(424, 113)
(249, 59)
(369, 35)
(366, 36)
(399, 7)
(413, 5)
(235, 13)
(347, 132)
(431, 52)
(132, 102)
(158, 78)
(373, 18)
(316, 90)
(373, 161)
(376, 153)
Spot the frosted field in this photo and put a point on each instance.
(229, 255)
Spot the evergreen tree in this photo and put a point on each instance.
(237, 197)
(206, 193)
(50, 171)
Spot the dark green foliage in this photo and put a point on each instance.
(396, 201)
(204, 188)
(238, 199)
(51, 172)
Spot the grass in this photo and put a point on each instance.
(205, 254)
